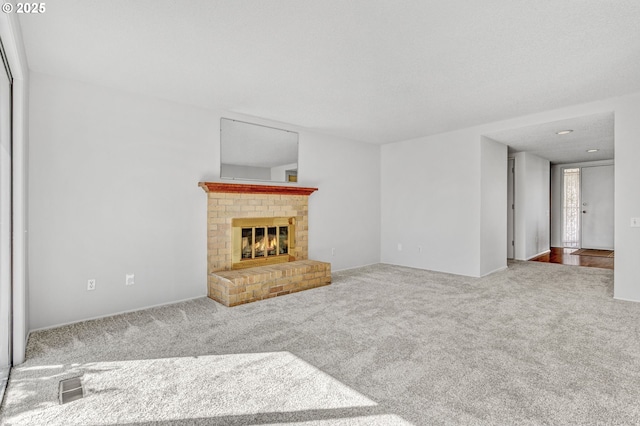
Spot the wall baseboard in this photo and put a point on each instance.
(536, 255)
(114, 314)
(355, 267)
(430, 270)
(626, 300)
(504, 268)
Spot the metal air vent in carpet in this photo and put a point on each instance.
(70, 390)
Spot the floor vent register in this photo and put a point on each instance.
(71, 390)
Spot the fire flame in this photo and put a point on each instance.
(266, 243)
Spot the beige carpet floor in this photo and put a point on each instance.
(383, 345)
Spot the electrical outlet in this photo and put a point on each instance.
(419, 249)
(129, 279)
(635, 222)
(91, 285)
(399, 247)
(333, 252)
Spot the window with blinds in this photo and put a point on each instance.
(571, 208)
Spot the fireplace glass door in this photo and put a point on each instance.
(261, 242)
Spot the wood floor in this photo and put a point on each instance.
(564, 256)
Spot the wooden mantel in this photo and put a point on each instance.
(235, 188)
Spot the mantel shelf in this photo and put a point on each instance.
(255, 189)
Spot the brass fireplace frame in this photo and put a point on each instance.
(260, 222)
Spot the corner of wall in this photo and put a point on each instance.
(493, 206)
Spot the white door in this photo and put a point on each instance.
(511, 249)
(597, 207)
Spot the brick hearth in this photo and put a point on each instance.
(233, 288)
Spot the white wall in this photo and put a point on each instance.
(444, 201)
(493, 206)
(431, 200)
(627, 201)
(557, 171)
(532, 177)
(345, 211)
(113, 182)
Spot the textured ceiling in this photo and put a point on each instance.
(369, 70)
(589, 132)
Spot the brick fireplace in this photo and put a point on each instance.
(257, 242)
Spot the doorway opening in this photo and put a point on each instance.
(585, 206)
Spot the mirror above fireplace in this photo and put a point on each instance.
(253, 152)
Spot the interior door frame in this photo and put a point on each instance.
(6, 229)
(511, 212)
(17, 58)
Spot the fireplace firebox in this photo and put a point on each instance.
(262, 241)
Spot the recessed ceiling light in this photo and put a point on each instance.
(564, 132)
(592, 150)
